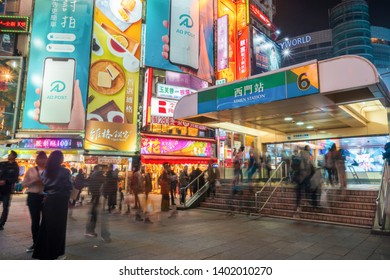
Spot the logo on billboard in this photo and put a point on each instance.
(186, 20)
(162, 107)
(57, 86)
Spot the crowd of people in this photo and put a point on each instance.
(54, 190)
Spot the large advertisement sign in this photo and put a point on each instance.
(243, 53)
(292, 83)
(114, 76)
(266, 53)
(169, 146)
(222, 43)
(57, 80)
(179, 37)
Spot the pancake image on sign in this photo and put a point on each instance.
(106, 77)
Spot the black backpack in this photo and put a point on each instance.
(295, 163)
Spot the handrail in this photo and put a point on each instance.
(196, 196)
(190, 184)
(258, 193)
(382, 195)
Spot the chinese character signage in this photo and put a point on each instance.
(114, 76)
(45, 143)
(292, 83)
(14, 24)
(57, 81)
(172, 92)
(243, 53)
(169, 146)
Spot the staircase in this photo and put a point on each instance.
(356, 208)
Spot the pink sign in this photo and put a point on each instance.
(170, 146)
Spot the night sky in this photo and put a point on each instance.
(296, 17)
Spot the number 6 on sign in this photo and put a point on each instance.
(303, 82)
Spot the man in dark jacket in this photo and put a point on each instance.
(9, 171)
(386, 154)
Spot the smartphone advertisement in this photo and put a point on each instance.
(57, 90)
(57, 80)
(179, 37)
(114, 76)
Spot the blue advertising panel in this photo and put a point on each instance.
(179, 37)
(57, 80)
(2, 7)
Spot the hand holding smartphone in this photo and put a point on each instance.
(184, 33)
(57, 90)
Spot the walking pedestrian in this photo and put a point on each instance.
(33, 182)
(9, 175)
(164, 181)
(110, 188)
(183, 183)
(212, 177)
(173, 185)
(94, 183)
(57, 186)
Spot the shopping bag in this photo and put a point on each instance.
(149, 206)
(74, 194)
(324, 198)
(387, 205)
(217, 183)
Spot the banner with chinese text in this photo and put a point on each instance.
(114, 76)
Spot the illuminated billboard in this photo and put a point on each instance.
(169, 146)
(180, 37)
(57, 80)
(266, 54)
(114, 76)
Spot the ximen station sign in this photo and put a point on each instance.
(291, 83)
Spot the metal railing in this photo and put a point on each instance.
(281, 167)
(185, 189)
(383, 196)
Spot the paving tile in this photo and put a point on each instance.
(198, 234)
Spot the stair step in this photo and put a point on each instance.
(355, 208)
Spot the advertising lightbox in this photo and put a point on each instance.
(222, 43)
(114, 76)
(57, 80)
(169, 146)
(266, 54)
(180, 37)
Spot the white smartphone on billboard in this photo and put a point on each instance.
(57, 90)
(184, 33)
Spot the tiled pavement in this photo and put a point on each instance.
(199, 235)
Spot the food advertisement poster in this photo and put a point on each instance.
(169, 146)
(57, 80)
(114, 76)
(160, 38)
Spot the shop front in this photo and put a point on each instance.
(157, 150)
